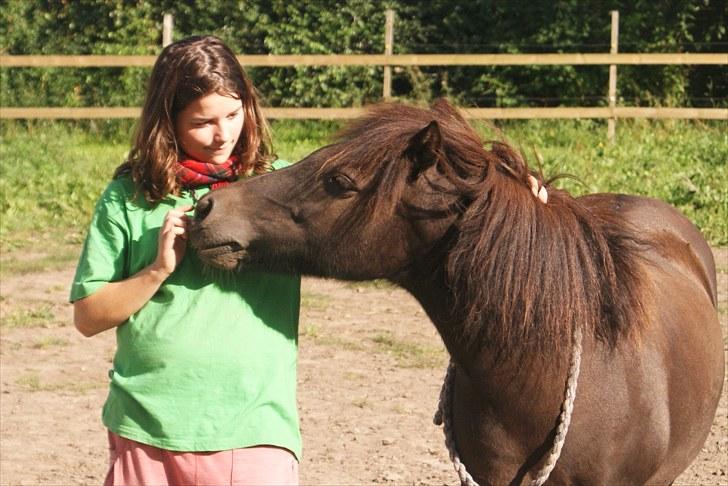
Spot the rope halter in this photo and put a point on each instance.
(444, 408)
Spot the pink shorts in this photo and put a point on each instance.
(133, 463)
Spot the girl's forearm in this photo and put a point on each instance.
(115, 302)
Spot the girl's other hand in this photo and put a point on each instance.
(172, 240)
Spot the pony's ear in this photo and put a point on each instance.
(424, 149)
(445, 109)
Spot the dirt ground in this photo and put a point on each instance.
(369, 379)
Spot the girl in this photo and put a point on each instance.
(202, 389)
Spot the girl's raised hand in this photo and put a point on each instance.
(172, 240)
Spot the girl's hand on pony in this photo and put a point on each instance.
(538, 190)
(172, 240)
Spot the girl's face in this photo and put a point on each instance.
(209, 127)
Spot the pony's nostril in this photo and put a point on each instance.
(203, 208)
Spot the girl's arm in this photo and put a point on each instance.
(115, 302)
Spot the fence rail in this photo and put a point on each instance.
(274, 60)
(345, 113)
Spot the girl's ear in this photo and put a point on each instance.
(424, 149)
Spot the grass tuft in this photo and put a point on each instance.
(39, 315)
(31, 382)
(50, 342)
(310, 300)
(408, 354)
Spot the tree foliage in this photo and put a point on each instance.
(357, 26)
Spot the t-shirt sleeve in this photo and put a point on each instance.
(280, 164)
(104, 254)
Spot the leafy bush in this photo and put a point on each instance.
(357, 26)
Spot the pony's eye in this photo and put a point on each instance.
(339, 185)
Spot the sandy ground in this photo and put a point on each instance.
(371, 367)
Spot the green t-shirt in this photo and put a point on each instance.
(209, 363)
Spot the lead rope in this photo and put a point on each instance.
(442, 417)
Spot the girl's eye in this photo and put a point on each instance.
(339, 185)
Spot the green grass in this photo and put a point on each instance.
(361, 402)
(51, 176)
(31, 382)
(293, 140)
(323, 338)
(38, 315)
(51, 173)
(682, 163)
(378, 284)
(721, 262)
(408, 354)
(49, 342)
(312, 300)
(31, 258)
(310, 331)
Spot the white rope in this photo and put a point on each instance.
(444, 409)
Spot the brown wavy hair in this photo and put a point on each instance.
(185, 71)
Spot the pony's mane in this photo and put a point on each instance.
(524, 275)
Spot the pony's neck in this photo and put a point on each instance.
(498, 379)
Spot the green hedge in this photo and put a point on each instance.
(356, 26)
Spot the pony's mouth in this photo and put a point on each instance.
(223, 255)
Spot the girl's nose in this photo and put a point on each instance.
(222, 133)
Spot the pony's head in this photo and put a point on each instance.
(370, 205)
(412, 195)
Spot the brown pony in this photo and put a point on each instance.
(411, 195)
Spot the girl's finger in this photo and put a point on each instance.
(538, 190)
(174, 215)
(183, 210)
(180, 212)
(177, 221)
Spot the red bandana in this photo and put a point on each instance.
(192, 173)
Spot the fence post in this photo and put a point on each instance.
(167, 26)
(388, 42)
(612, 122)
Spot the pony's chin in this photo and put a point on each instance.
(228, 256)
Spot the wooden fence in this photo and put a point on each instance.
(387, 61)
